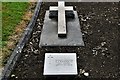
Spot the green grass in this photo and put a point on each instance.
(12, 13)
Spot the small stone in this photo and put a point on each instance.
(87, 18)
(34, 33)
(107, 19)
(31, 49)
(104, 49)
(83, 34)
(39, 26)
(103, 43)
(12, 75)
(93, 50)
(31, 43)
(96, 53)
(16, 77)
(16, 51)
(82, 71)
(26, 55)
(86, 74)
(38, 19)
(98, 30)
(38, 31)
(103, 54)
(84, 20)
(39, 23)
(36, 52)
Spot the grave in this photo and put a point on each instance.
(61, 27)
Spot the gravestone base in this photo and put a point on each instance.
(49, 35)
(58, 64)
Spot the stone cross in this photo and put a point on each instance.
(62, 12)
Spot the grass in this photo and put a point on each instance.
(12, 13)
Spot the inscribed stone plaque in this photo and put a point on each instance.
(49, 35)
(60, 64)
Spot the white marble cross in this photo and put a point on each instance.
(62, 29)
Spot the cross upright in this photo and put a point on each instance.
(62, 12)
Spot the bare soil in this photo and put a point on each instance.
(100, 55)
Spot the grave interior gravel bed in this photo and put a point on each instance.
(99, 57)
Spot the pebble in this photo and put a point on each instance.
(83, 34)
(82, 71)
(98, 30)
(26, 55)
(110, 22)
(12, 75)
(38, 19)
(31, 43)
(36, 52)
(95, 52)
(84, 20)
(87, 18)
(31, 49)
(39, 23)
(104, 49)
(16, 51)
(103, 54)
(38, 32)
(103, 43)
(86, 74)
(78, 48)
(16, 77)
(107, 19)
(39, 26)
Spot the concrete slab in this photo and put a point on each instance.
(60, 64)
(49, 35)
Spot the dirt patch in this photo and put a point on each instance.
(99, 57)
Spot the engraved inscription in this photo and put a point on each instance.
(65, 62)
